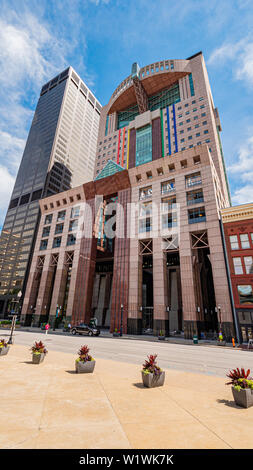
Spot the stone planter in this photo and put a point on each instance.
(116, 335)
(4, 351)
(151, 380)
(85, 367)
(161, 338)
(243, 397)
(38, 358)
(221, 343)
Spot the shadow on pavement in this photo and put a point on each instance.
(229, 403)
(139, 385)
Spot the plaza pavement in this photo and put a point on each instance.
(49, 406)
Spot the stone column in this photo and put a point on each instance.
(120, 282)
(83, 277)
(45, 290)
(160, 291)
(135, 289)
(220, 282)
(59, 287)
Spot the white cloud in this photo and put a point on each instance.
(242, 171)
(243, 195)
(6, 186)
(28, 51)
(244, 163)
(29, 56)
(11, 149)
(240, 55)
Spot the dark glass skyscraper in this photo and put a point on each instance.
(59, 154)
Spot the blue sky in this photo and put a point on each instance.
(101, 39)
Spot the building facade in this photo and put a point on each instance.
(163, 270)
(159, 185)
(238, 233)
(59, 154)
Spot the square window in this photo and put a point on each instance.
(237, 266)
(57, 242)
(248, 261)
(48, 219)
(244, 241)
(234, 242)
(61, 215)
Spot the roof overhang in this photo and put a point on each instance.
(152, 84)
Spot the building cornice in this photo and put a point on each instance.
(237, 213)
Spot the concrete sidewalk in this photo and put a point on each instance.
(49, 406)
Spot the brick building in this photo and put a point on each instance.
(238, 232)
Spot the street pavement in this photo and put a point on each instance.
(49, 406)
(202, 358)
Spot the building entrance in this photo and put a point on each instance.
(147, 294)
(102, 288)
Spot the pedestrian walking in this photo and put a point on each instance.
(47, 328)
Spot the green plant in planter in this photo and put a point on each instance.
(84, 355)
(242, 387)
(239, 377)
(39, 348)
(85, 363)
(150, 366)
(3, 343)
(152, 374)
(244, 383)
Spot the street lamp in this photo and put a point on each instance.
(31, 315)
(121, 320)
(219, 310)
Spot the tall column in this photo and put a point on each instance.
(220, 281)
(160, 291)
(59, 287)
(45, 291)
(84, 277)
(120, 282)
(135, 289)
(31, 293)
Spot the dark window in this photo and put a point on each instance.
(48, 219)
(59, 228)
(36, 195)
(45, 232)
(61, 215)
(71, 239)
(57, 242)
(24, 199)
(196, 215)
(13, 203)
(43, 244)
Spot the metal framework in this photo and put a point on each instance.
(146, 247)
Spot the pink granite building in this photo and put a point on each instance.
(159, 161)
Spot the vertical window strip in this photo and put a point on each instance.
(191, 85)
(123, 147)
(161, 114)
(128, 140)
(175, 127)
(168, 126)
(118, 146)
(106, 125)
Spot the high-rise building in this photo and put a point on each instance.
(160, 110)
(59, 154)
(159, 156)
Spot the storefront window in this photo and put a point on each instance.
(245, 294)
